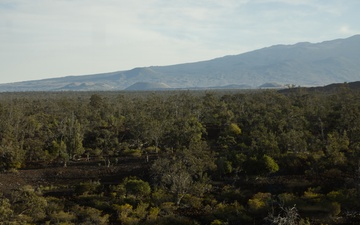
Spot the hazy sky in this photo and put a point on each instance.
(53, 38)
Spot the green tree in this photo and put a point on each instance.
(270, 165)
(133, 187)
(96, 101)
(11, 157)
(26, 201)
(128, 215)
(337, 146)
(183, 132)
(88, 215)
(260, 203)
(73, 137)
(260, 166)
(59, 149)
(185, 172)
(6, 212)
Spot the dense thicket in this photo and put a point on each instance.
(213, 157)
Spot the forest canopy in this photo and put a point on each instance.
(195, 157)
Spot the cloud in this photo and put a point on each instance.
(347, 30)
(89, 36)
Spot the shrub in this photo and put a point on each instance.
(270, 165)
(133, 152)
(334, 208)
(217, 222)
(259, 202)
(153, 213)
(89, 187)
(5, 209)
(287, 198)
(234, 129)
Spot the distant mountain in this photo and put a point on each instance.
(302, 64)
(86, 87)
(271, 85)
(232, 86)
(145, 86)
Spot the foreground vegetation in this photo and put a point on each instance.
(192, 157)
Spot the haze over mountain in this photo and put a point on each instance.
(301, 64)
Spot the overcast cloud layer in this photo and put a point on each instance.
(53, 38)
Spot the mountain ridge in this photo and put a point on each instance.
(301, 64)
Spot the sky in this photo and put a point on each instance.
(55, 38)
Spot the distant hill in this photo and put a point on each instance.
(355, 86)
(271, 85)
(86, 87)
(302, 64)
(144, 86)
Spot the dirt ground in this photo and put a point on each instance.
(74, 173)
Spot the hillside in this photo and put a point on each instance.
(303, 64)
